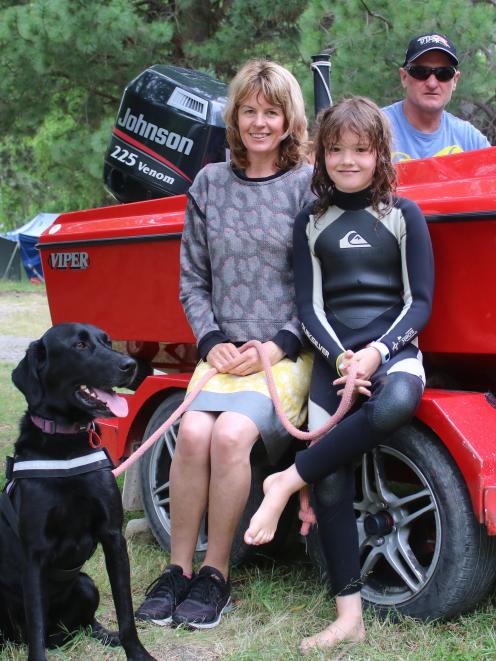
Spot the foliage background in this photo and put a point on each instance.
(65, 65)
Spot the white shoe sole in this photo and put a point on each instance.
(162, 623)
(209, 625)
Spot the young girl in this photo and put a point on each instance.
(364, 279)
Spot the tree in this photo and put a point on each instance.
(240, 30)
(367, 40)
(64, 66)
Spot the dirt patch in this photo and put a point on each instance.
(24, 317)
(179, 651)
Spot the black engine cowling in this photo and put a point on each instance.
(169, 126)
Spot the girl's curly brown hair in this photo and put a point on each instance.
(279, 87)
(363, 117)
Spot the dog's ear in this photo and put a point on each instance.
(26, 376)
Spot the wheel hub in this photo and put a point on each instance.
(378, 524)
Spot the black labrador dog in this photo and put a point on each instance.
(61, 498)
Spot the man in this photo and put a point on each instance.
(421, 125)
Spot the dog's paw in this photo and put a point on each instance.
(105, 636)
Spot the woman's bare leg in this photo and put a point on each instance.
(233, 437)
(278, 489)
(189, 481)
(347, 627)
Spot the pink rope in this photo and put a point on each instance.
(306, 513)
(165, 426)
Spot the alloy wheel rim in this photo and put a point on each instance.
(397, 565)
(158, 479)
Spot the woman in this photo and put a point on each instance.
(364, 281)
(236, 285)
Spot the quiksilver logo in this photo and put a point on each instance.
(315, 342)
(353, 240)
(150, 131)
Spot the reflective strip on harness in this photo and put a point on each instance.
(62, 467)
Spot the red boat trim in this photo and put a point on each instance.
(149, 151)
(431, 218)
(106, 241)
(458, 217)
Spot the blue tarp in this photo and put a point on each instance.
(27, 237)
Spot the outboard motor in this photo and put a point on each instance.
(169, 126)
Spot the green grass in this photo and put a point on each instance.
(11, 407)
(24, 314)
(277, 604)
(23, 285)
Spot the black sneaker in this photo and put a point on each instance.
(209, 596)
(163, 595)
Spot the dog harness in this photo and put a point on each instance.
(16, 469)
(49, 468)
(78, 465)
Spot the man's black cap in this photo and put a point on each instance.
(427, 42)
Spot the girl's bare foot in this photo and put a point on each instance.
(278, 488)
(343, 629)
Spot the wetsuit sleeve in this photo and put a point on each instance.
(309, 296)
(417, 265)
(195, 285)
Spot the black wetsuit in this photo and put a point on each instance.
(359, 278)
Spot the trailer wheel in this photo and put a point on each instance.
(423, 554)
(154, 473)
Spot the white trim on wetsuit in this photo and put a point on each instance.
(361, 278)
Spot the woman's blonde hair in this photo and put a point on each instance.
(364, 118)
(280, 88)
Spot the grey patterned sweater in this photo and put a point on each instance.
(236, 256)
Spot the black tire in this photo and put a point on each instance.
(431, 559)
(154, 473)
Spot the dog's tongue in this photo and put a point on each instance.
(117, 404)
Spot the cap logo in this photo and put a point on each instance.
(433, 39)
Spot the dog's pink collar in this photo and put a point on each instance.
(52, 427)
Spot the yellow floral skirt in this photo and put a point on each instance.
(249, 395)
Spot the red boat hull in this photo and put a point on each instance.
(118, 267)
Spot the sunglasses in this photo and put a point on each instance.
(419, 72)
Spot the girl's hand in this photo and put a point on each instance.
(344, 361)
(361, 386)
(224, 357)
(369, 360)
(251, 362)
